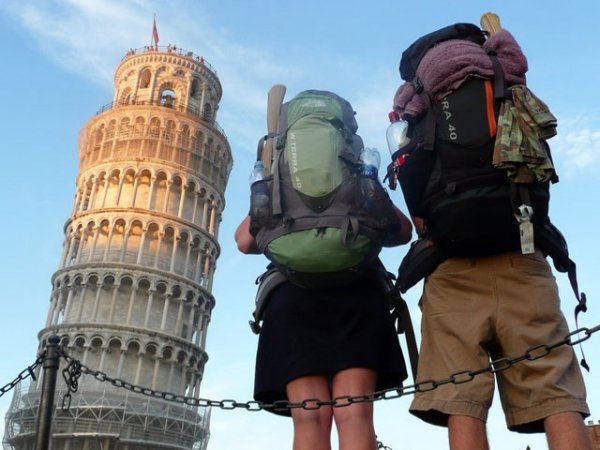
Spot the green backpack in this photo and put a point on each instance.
(325, 224)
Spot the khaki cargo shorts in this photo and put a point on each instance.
(477, 309)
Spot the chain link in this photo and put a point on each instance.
(71, 374)
(25, 373)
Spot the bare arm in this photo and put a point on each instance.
(244, 240)
(401, 236)
(419, 225)
(407, 228)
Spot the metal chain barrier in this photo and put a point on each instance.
(75, 369)
(26, 373)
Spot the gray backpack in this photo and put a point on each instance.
(325, 224)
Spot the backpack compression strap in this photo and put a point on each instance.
(429, 137)
(581, 304)
(404, 326)
(499, 82)
(350, 227)
(581, 298)
(276, 191)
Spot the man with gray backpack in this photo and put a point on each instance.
(475, 171)
(327, 332)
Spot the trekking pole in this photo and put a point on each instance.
(490, 22)
(274, 101)
(46, 408)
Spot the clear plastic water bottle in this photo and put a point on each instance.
(372, 196)
(259, 193)
(369, 162)
(397, 139)
(258, 172)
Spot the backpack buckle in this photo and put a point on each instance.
(279, 140)
(287, 221)
(417, 84)
(489, 51)
(524, 214)
(254, 326)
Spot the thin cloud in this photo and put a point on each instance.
(90, 38)
(82, 37)
(576, 148)
(372, 106)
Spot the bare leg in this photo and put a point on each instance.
(566, 431)
(312, 428)
(467, 433)
(355, 422)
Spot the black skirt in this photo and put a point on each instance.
(308, 332)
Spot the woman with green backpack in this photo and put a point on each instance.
(326, 344)
(327, 332)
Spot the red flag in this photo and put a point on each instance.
(155, 33)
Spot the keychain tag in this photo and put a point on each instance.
(526, 232)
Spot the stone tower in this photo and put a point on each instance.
(132, 294)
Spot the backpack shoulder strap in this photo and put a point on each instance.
(404, 326)
(552, 243)
(400, 313)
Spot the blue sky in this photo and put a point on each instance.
(59, 57)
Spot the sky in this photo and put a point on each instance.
(59, 58)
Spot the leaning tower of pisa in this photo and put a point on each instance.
(132, 294)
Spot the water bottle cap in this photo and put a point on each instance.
(393, 116)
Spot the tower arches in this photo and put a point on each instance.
(132, 294)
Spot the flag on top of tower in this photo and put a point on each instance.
(155, 34)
